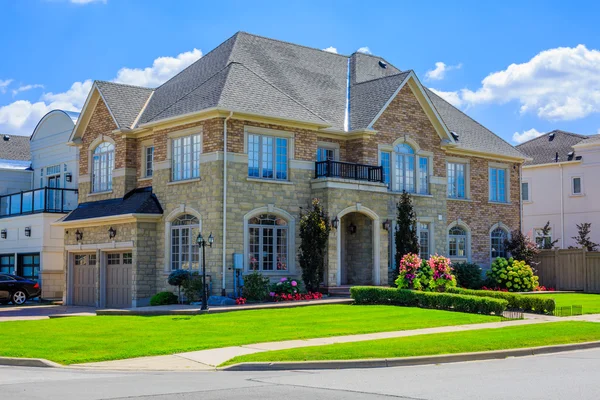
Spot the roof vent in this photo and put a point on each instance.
(556, 157)
(578, 158)
(570, 155)
(382, 64)
(6, 138)
(454, 135)
(551, 137)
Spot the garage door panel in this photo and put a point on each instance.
(118, 280)
(85, 275)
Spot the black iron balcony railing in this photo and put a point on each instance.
(344, 170)
(51, 200)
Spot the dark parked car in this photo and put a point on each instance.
(17, 290)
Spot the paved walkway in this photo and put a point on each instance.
(209, 359)
(36, 312)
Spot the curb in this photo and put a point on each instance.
(28, 362)
(409, 361)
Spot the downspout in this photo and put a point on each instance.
(562, 209)
(223, 291)
(521, 199)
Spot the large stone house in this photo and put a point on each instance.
(236, 144)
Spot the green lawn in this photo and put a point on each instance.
(441, 343)
(87, 339)
(590, 302)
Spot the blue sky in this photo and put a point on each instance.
(513, 66)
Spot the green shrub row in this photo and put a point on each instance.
(163, 299)
(529, 303)
(440, 301)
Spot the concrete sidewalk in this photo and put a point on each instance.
(210, 359)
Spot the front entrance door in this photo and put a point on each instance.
(118, 280)
(356, 231)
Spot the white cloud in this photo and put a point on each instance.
(365, 50)
(451, 97)
(439, 72)
(557, 84)
(331, 49)
(519, 138)
(21, 117)
(24, 88)
(4, 85)
(161, 70)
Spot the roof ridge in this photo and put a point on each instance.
(123, 84)
(188, 93)
(293, 44)
(466, 115)
(577, 135)
(282, 92)
(408, 71)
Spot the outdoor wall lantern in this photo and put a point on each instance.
(335, 222)
(202, 245)
(3, 234)
(68, 177)
(112, 233)
(352, 228)
(78, 235)
(386, 224)
(28, 231)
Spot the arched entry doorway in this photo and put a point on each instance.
(358, 247)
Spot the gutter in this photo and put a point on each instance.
(562, 208)
(223, 291)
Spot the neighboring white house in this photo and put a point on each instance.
(561, 185)
(15, 164)
(29, 245)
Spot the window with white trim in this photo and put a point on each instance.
(325, 154)
(456, 174)
(184, 252)
(576, 185)
(525, 191)
(268, 238)
(103, 164)
(149, 161)
(267, 157)
(7, 264)
(185, 157)
(457, 242)
(497, 239)
(410, 172)
(385, 157)
(424, 241)
(498, 179)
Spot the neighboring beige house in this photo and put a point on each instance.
(15, 164)
(29, 245)
(561, 185)
(239, 141)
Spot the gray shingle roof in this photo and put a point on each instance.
(15, 148)
(543, 149)
(471, 134)
(138, 201)
(253, 74)
(124, 101)
(591, 139)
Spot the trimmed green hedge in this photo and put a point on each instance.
(441, 301)
(529, 303)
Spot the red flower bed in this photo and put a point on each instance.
(296, 297)
(240, 300)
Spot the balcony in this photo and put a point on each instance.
(35, 201)
(344, 170)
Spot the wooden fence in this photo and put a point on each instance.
(567, 269)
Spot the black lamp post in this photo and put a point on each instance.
(202, 244)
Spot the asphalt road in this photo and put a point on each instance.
(572, 375)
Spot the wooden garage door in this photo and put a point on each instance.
(118, 280)
(84, 280)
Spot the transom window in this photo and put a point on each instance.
(498, 184)
(268, 243)
(424, 241)
(149, 160)
(457, 242)
(498, 237)
(102, 167)
(185, 160)
(267, 157)
(456, 180)
(184, 253)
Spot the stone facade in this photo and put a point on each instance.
(359, 258)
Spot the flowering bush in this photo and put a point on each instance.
(442, 273)
(543, 289)
(409, 269)
(240, 300)
(285, 286)
(296, 297)
(514, 275)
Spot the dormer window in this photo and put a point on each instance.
(102, 167)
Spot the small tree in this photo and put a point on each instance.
(521, 247)
(406, 232)
(314, 233)
(583, 237)
(546, 241)
(178, 278)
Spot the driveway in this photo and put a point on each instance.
(32, 312)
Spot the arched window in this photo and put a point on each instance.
(410, 173)
(404, 156)
(268, 243)
(497, 238)
(102, 167)
(184, 252)
(457, 242)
